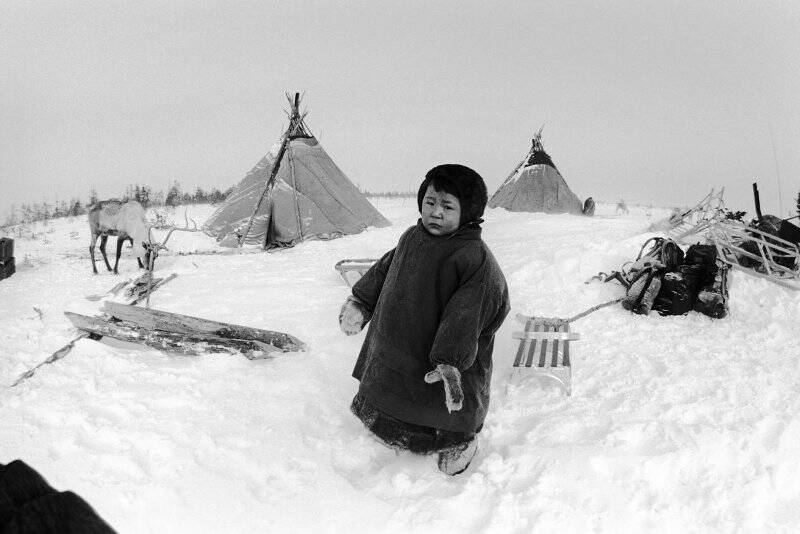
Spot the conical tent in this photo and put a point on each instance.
(536, 185)
(296, 192)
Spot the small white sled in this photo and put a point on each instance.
(353, 269)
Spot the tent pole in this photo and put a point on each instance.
(777, 171)
(294, 192)
(757, 201)
(272, 175)
(522, 162)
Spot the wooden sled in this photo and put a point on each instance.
(353, 270)
(697, 219)
(757, 253)
(183, 334)
(544, 349)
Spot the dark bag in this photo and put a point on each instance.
(712, 300)
(588, 207)
(676, 296)
(679, 289)
(665, 251)
(6, 248)
(702, 260)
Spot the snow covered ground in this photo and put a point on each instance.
(675, 424)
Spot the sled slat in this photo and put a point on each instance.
(544, 349)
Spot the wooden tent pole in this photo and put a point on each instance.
(757, 201)
(294, 192)
(272, 175)
(295, 122)
(520, 164)
(297, 119)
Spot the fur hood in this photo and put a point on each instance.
(470, 189)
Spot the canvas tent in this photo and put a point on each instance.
(296, 192)
(536, 185)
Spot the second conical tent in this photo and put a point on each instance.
(536, 185)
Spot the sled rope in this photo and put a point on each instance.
(57, 355)
(593, 309)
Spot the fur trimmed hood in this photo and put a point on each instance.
(468, 184)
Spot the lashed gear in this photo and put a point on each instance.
(675, 296)
(671, 255)
(664, 250)
(712, 300)
(642, 293)
(470, 188)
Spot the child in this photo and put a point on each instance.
(435, 302)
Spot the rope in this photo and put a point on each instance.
(57, 355)
(593, 309)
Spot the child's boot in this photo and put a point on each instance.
(455, 460)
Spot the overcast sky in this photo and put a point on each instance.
(655, 102)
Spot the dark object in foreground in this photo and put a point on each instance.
(28, 504)
(7, 267)
(172, 332)
(7, 262)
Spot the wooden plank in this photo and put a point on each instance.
(145, 292)
(568, 336)
(520, 352)
(536, 326)
(545, 346)
(174, 342)
(111, 292)
(151, 319)
(554, 361)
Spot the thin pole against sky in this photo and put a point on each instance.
(777, 171)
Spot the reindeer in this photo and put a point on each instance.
(125, 220)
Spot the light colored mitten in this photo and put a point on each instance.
(351, 317)
(451, 377)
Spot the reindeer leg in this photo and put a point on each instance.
(103, 239)
(120, 241)
(138, 259)
(91, 252)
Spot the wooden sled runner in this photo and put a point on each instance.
(183, 334)
(352, 270)
(544, 349)
(757, 253)
(681, 226)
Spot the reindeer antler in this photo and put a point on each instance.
(155, 247)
